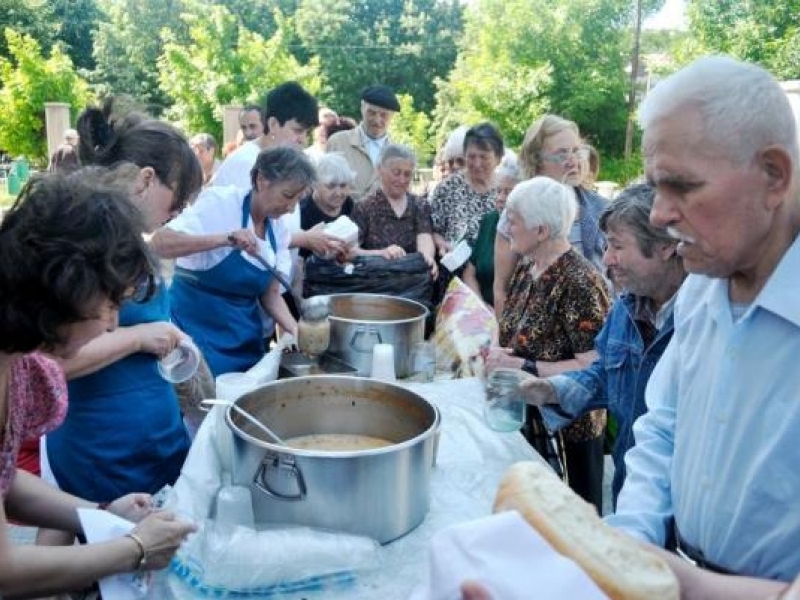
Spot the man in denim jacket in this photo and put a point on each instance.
(642, 261)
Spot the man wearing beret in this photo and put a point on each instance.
(362, 146)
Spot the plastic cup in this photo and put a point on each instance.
(383, 362)
(505, 407)
(235, 506)
(180, 364)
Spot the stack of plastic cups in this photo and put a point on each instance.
(383, 362)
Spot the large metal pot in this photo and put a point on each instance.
(359, 321)
(381, 493)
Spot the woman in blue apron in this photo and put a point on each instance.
(218, 285)
(123, 431)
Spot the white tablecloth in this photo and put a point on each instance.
(471, 460)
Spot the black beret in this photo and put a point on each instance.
(382, 96)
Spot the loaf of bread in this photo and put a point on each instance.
(617, 563)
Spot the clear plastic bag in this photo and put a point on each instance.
(222, 559)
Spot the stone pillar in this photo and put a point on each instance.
(792, 89)
(230, 123)
(56, 116)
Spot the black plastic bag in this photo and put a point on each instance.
(408, 277)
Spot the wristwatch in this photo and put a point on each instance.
(529, 366)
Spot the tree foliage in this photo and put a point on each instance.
(759, 31)
(411, 127)
(129, 44)
(404, 44)
(29, 80)
(78, 20)
(224, 63)
(31, 17)
(521, 58)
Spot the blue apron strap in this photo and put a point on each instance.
(267, 222)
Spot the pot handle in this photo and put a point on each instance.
(361, 331)
(279, 477)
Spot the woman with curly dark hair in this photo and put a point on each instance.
(72, 254)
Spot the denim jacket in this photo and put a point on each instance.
(615, 381)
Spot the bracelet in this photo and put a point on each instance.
(143, 559)
(231, 239)
(529, 366)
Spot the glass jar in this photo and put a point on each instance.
(505, 407)
(423, 361)
(314, 328)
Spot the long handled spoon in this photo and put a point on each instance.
(274, 436)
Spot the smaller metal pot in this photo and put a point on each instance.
(359, 321)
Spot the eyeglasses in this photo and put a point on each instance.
(144, 288)
(562, 156)
(456, 163)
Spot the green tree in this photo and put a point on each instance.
(78, 21)
(521, 58)
(32, 17)
(29, 80)
(128, 45)
(224, 63)
(410, 127)
(759, 31)
(404, 44)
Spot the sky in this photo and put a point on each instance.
(672, 16)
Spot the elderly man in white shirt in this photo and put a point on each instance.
(716, 457)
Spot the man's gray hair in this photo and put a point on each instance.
(332, 168)
(742, 106)
(394, 151)
(631, 210)
(544, 201)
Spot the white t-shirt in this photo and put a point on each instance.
(219, 210)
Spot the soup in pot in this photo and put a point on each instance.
(337, 442)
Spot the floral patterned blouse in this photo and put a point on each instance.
(455, 205)
(554, 317)
(379, 226)
(37, 404)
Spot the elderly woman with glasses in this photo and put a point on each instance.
(232, 250)
(553, 148)
(556, 305)
(123, 431)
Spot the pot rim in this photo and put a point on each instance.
(429, 432)
(422, 316)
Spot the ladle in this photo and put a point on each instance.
(274, 436)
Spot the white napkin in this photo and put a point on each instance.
(457, 256)
(102, 526)
(508, 557)
(344, 229)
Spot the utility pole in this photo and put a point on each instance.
(634, 76)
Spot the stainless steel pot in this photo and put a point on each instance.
(359, 321)
(381, 493)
